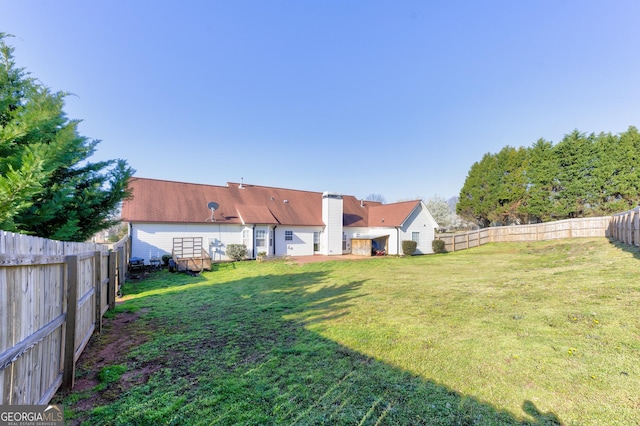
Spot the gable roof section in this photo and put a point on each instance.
(161, 201)
(256, 214)
(391, 215)
(356, 212)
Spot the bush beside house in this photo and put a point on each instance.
(236, 252)
(409, 247)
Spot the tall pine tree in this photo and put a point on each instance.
(583, 175)
(47, 185)
(542, 175)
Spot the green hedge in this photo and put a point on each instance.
(438, 246)
(409, 247)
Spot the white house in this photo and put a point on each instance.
(275, 221)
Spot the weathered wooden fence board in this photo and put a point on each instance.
(52, 298)
(569, 228)
(625, 227)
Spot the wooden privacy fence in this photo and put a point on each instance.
(568, 228)
(625, 227)
(53, 296)
(464, 240)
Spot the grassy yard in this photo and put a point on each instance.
(546, 333)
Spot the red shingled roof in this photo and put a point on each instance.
(391, 214)
(161, 201)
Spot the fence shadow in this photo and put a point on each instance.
(635, 251)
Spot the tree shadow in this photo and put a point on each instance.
(240, 352)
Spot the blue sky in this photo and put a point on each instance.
(397, 98)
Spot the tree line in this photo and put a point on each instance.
(48, 186)
(584, 175)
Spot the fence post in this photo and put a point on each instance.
(122, 266)
(97, 282)
(69, 363)
(113, 280)
(636, 233)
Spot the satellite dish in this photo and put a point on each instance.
(212, 206)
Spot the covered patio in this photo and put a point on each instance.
(370, 245)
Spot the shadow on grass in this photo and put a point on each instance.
(635, 251)
(239, 353)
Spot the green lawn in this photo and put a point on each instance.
(545, 332)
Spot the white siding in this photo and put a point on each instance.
(153, 240)
(332, 216)
(300, 245)
(422, 222)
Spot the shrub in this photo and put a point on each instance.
(165, 259)
(438, 246)
(236, 251)
(409, 247)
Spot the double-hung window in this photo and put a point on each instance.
(260, 238)
(288, 235)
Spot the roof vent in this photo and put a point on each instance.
(286, 201)
(361, 203)
(241, 186)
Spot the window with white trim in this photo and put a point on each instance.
(415, 236)
(260, 238)
(288, 235)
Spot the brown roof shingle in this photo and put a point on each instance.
(391, 214)
(161, 201)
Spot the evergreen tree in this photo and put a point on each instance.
(510, 186)
(577, 186)
(583, 175)
(47, 185)
(618, 175)
(477, 196)
(542, 175)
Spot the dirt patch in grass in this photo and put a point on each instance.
(119, 335)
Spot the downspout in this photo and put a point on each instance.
(398, 242)
(253, 242)
(130, 245)
(274, 239)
